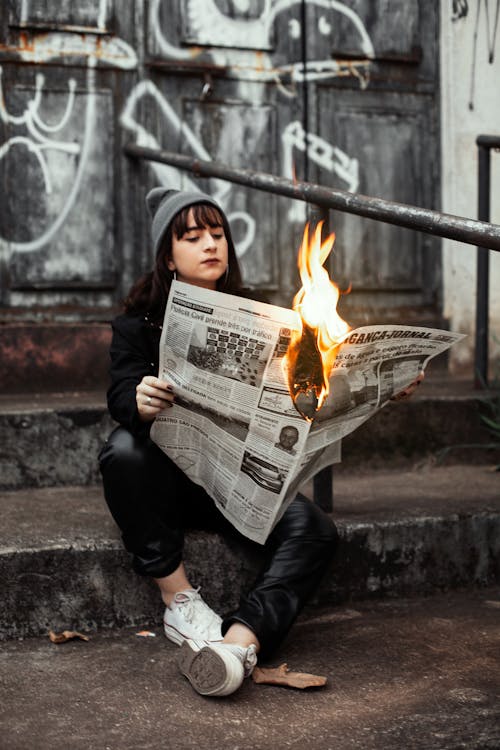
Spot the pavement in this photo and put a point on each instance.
(408, 673)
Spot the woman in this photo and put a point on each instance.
(151, 499)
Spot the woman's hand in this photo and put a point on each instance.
(152, 396)
(403, 395)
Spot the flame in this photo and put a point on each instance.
(312, 350)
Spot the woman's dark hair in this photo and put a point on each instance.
(150, 293)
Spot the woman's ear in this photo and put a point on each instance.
(170, 265)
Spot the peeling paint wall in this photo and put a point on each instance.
(470, 65)
(343, 93)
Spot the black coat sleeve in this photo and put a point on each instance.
(134, 354)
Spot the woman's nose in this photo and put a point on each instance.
(209, 241)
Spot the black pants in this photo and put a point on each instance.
(153, 502)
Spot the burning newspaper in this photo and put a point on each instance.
(235, 428)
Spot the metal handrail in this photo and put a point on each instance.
(484, 144)
(426, 220)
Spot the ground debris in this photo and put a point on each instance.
(67, 635)
(283, 676)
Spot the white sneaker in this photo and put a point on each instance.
(188, 616)
(217, 669)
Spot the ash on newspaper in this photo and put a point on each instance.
(234, 428)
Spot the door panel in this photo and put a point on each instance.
(387, 135)
(58, 215)
(230, 132)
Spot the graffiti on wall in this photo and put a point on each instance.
(39, 137)
(181, 133)
(205, 24)
(209, 26)
(328, 157)
(460, 8)
(231, 40)
(486, 17)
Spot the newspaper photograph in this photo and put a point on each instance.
(234, 428)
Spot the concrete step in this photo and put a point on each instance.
(414, 674)
(404, 532)
(53, 439)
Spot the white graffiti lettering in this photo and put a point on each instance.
(321, 153)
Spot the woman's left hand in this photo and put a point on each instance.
(410, 390)
(152, 396)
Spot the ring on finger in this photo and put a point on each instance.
(148, 400)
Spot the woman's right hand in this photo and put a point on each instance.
(152, 395)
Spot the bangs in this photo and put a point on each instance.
(204, 215)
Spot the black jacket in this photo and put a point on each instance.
(134, 353)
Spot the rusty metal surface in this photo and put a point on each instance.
(54, 357)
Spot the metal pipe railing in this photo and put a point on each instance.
(472, 232)
(484, 144)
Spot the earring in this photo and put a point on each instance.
(174, 273)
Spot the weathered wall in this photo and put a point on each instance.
(344, 93)
(470, 75)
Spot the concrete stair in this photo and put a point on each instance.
(52, 439)
(409, 525)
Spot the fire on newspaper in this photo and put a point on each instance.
(313, 347)
(264, 395)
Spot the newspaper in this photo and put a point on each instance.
(234, 428)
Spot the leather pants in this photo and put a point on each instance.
(153, 502)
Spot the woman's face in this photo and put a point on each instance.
(199, 257)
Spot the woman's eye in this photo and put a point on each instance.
(217, 236)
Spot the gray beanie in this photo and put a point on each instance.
(163, 204)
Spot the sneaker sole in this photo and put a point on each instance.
(206, 671)
(174, 635)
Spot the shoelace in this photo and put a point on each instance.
(193, 603)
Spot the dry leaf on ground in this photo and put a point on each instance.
(66, 635)
(282, 676)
